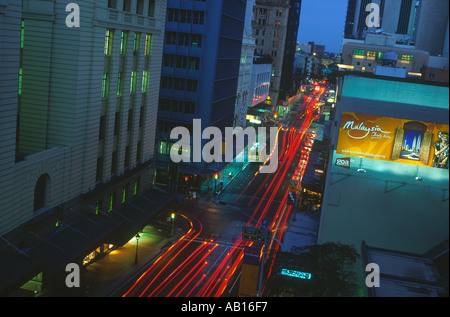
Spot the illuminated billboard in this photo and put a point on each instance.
(392, 139)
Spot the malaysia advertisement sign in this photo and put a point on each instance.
(392, 139)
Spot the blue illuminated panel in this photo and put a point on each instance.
(298, 274)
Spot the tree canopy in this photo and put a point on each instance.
(331, 266)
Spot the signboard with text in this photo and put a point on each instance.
(391, 139)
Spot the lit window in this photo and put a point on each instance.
(105, 85)
(371, 54)
(111, 202)
(135, 187)
(137, 38)
(148, 44)
(20, 81)
(144, 80)
(358, 52)
(119, 84)
(123, 42)
(22, 34)
(133, 82)
(108, 42)
(407, 57)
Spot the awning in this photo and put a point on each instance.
(15, 270)
(71, 242)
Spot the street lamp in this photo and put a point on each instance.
(216, 176)
(137, 244)
(172, 216)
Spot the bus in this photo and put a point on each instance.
(255, 152)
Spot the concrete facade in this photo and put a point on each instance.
(270, 27)
(64, 119)
(244, 95)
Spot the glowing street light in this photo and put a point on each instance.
(137, 244)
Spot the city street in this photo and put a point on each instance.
(205, 261)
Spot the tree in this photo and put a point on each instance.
(331, 266)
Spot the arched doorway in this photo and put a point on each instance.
(41, 192)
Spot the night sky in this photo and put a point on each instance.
(322, 22)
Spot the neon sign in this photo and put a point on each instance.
(297, 274)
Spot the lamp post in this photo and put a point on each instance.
(137, 245)
(216, 176)
(172, 216)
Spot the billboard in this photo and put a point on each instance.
(392, 139)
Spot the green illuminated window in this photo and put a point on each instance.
(123, 42)
(358, 52)
(148, 44)
(22, 34)
(133, 82)
(380, 55)
(144, 80)
(137, 38)
(111, 201)
(371, 54)
(119, 84)
(96, 209)
(20, 81)
(105, 85)
(108, 42)
(135, 187)
(124, 194)
(407, 57)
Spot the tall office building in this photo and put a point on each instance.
(270, 29)
(244, 96)
(200, 72)
(417, 31)
(432, 27)
(287, 85)
(78, 109)
(396, 17)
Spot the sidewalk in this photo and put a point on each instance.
(226, 175)
(102, 277)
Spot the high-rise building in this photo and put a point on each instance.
(78, 93)
(287, 85)
(415, 31)
(200, 73)
(396, 17)
(244, 98)
(270, 29)
(432, 27)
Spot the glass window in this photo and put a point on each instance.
(144, 80)
(407, 57)
(20, 81)
(358, 52)
(105, 85)
(119, 84)
(137, 40)
(123, 42)
(108, 42)
(148, 44)
(22, 34)
(133, 82)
